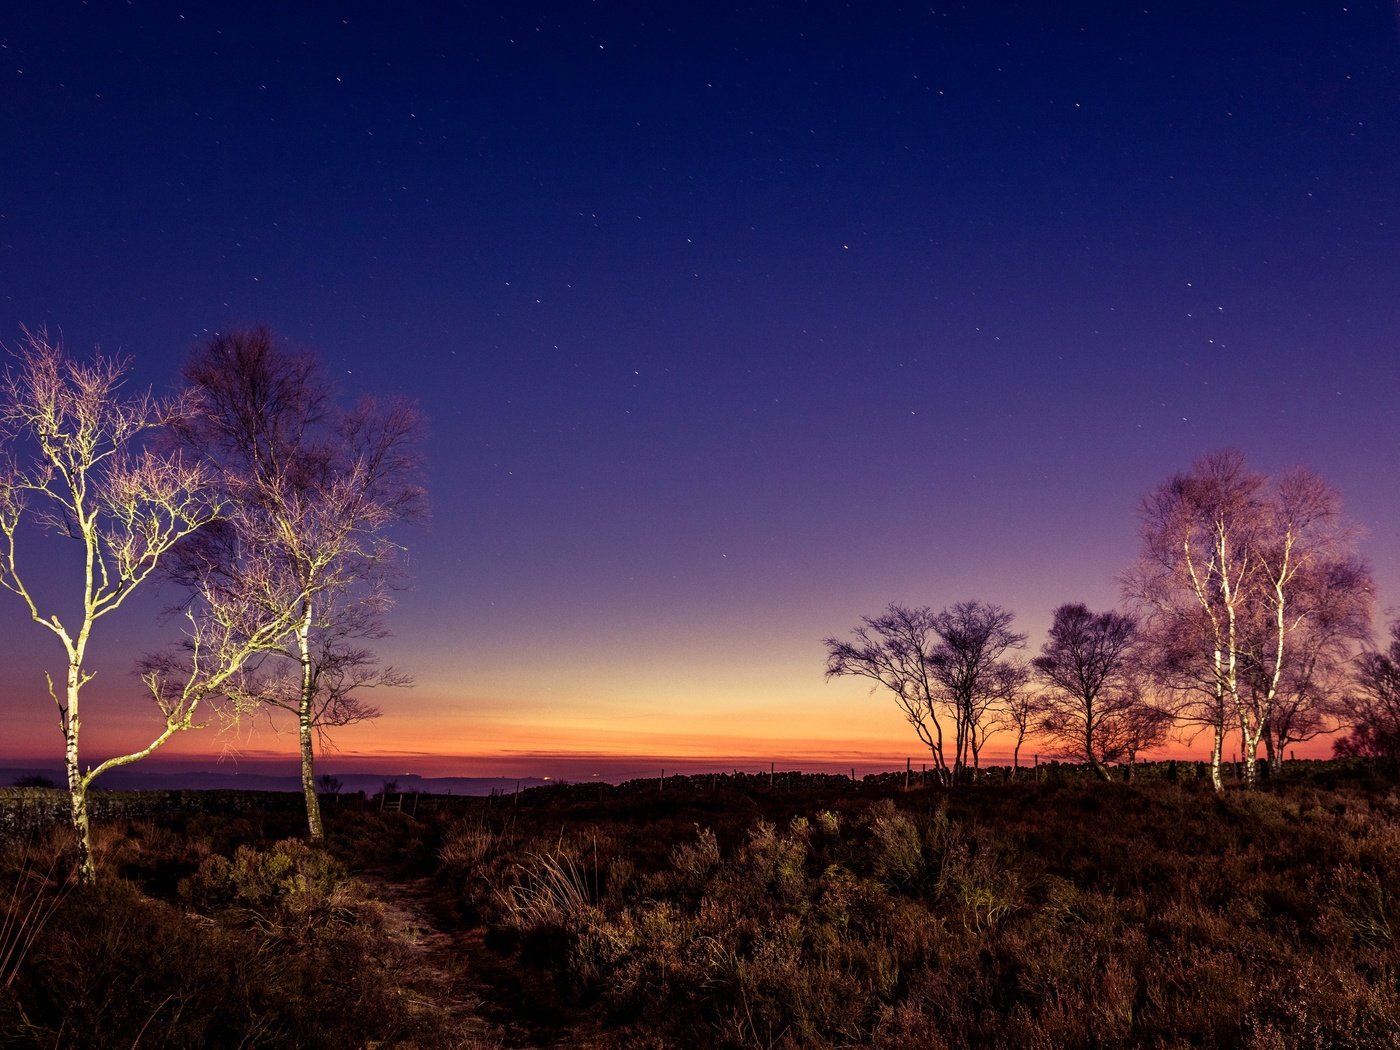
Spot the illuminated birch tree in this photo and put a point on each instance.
(1223, 577)
(317, 489)
(79, 465)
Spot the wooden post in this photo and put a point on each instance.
(907, 766)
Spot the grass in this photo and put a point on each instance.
(1063, 914)
(34, 898)
(735, 912)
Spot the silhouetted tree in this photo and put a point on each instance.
(1373, 710)
(316, 490)
(1019, 712)
(972, 678)
(893, 649)
(1134, 720)
(1084, 666)
(938, 665)
(34, 780)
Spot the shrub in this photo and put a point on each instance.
(896, 852)
(289, 889)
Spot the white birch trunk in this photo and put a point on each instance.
(305, 715)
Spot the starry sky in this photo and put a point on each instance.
(732, 323)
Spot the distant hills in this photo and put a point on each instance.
(137, 779)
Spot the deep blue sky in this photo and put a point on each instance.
(734, 324)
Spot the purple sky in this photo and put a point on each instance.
(732, 325)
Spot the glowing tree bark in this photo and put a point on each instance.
(77, 465)
(1223, 578)
(1336, 594)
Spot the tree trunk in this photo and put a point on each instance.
(1098, 767)
(1249, 753)
(315, 830)
(1217, 743)
(77, 798)
(305, 714)
(1273, 751)
(1100, 770)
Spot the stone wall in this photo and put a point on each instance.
(25, 811)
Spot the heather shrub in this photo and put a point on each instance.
(467, 844)
(1061, 914)
(896, 851)
(694, 862)
(115, 968)
(289, 889)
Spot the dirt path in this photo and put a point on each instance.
(490, 1001)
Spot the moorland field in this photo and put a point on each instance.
(730, 911)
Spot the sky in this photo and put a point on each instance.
(732, 324)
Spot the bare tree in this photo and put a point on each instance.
(1338, 592)
(1084, 666)
(1171, 644)
(947, 664)
(342, 670)
(317, 491)
(1373, 711)
(1019, 713)
(893, 649)
(1192, 577)
(77, 463)
(1143, 726)
(972, 677)
(1224, 559)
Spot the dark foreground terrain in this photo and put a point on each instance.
(733, 912)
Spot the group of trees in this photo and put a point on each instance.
(946, 667)
(1083, 692)
(1248, 614)
(252, 491)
